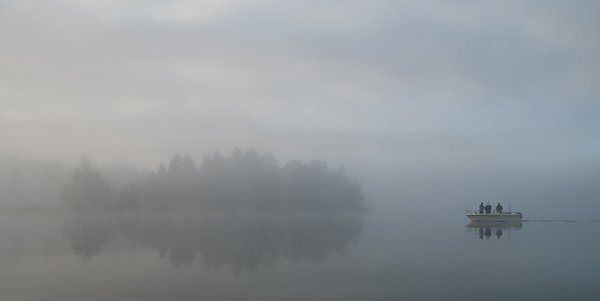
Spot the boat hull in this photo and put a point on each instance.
(495, 217)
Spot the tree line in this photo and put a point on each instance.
(241, 181)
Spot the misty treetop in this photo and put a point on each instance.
(87, 189)
(242, 181)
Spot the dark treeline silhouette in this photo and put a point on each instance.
(241, 242)
(243, 181)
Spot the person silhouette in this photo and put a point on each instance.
(481, 207)
(499, 208)
(488, 208)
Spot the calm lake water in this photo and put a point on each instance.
(376, 255)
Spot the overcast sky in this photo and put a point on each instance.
(444, 83)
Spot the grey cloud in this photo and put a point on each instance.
(206, 75)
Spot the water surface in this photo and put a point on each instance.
(379, 254)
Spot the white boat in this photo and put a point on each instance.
(494, 217)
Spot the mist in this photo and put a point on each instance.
(139, 124)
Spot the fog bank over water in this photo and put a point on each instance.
(426, 104)
(552, 193)
(299, 149)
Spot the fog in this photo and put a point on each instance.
(394, 91)
(144, 113)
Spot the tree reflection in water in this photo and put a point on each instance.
(241, 241)
(88, 234)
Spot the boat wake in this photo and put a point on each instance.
(562, 220)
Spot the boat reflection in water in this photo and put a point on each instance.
(497, 229)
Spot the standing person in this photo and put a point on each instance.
(488, 208)
(481, 207)
(499, 208)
